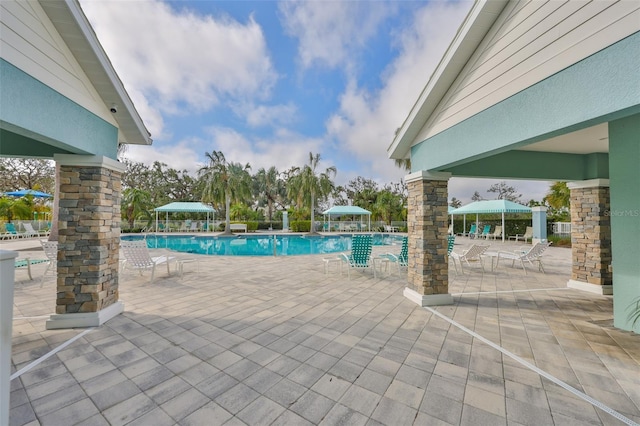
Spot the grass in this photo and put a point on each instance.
(560, 240)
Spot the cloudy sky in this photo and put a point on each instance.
(267, 82)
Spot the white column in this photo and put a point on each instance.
(7, 275)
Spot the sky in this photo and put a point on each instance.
(268, 82)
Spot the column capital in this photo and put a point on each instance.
(591, 183)
(89, 161)
(538, 209)
(427, 175)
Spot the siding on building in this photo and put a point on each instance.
(31, 43)
(531, 41)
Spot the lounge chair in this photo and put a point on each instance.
(401, 259)
(485, 232)
(10, 229)
(532, 255)
(50, 249)
(30, 232)
(471, 233)
(497, 233)
(474, 253)
(528, 234)
(194, 226)
(360, 256)
(450, 230)
(136, 256)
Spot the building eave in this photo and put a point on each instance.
(474, 28)
(74, 28)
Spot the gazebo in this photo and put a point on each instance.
(348, 211)
(492, 206)
(183, 207)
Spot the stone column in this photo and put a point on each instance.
(590, 236)
(427, 220)
(88, 241)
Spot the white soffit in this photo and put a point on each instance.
(585, 141)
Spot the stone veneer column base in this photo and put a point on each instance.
(87, 319)
(427, 299)
(604, 290)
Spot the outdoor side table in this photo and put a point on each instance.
(328, 261)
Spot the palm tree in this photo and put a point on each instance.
(225, 182)
(308, 182)
(559, 195)
(135, 204)
(19, 208)
(270, 186)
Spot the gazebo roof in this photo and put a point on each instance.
(492, 206)
(185, 207)
(346, 210)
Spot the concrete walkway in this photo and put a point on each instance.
(276, 341)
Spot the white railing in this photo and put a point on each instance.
(562, 227)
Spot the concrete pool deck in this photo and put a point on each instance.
(276, 341)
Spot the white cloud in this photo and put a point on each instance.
(179, 61)
(283, 150)
(264, 115)
(331, 32)
(180, 157)
(366, 122)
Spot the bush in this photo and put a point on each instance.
(265, 225)
(300, 225)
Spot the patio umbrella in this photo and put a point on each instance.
(32, 192)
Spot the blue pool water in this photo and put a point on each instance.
(258, 245)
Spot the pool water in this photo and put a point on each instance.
(259, 245)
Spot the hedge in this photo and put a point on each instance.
(300, 225)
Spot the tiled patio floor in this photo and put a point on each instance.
(275, 341)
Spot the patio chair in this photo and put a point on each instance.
(194, 226)
(471, 233)
(451, 239)
(50, 249)
(10, 229)
(528, 234)
(30, 232)
(474, 253)
(532, 255)
(497, 233)
(450, 230)
(136, 256)
(401, 259)
(485, 232)
(360, 256)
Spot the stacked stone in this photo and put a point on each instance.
(427, 227)
(89, 239)
(591, 235)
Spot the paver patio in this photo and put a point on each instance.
(276, 341)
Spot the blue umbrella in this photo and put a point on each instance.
(31, 192)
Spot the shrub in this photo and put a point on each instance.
(300, 225)
(560, 240)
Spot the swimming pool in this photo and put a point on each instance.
(259, 245)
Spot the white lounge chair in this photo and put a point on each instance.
(30, 232)
(474, 253)
(532, 255)
(528, 234)
(50, 249)
(497, 233)
(136, 256)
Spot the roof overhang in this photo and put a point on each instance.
(474, 28)
(74, 28)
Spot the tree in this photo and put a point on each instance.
(270, 187)
(388, 205)
(136, 204)
(505, 192)
(19, 208)
(308, 182)
(559, 196)
(225, 182)
(403, 163)
(455, 203)
(26, 173)
(476, 196)
(362, 192)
